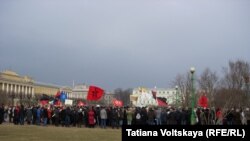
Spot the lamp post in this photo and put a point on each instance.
(176, 97)
(193, 120)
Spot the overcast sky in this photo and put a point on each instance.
(121, 43)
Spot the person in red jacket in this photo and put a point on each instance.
(91, 117)
(219, 117)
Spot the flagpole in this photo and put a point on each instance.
(193, 119)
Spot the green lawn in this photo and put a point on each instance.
(9, 132)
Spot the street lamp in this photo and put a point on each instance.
(193, 120)
(176, 93)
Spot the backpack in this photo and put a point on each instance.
(138, 116)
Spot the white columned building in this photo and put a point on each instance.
(13, 85)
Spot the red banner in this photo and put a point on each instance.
(117, 103)
(57, 103)
(161, 103)
(58, 94)
(44, 102)
(203, 101)
(80, 104)
(95, 93)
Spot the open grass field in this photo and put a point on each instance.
(10, 132)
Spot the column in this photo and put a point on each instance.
(3, 86)
(32, 92)
(22, 89)
(7, 88)
(19, 89)
(15, 88)
(11, 87)
(25, 90)
(29, 90)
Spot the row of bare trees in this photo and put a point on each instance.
(123, 95)
(229, 90)
(8, 98)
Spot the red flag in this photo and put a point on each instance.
(80, 103)
(58, 94)
(203, 101)
(95, 93)
(161, 103)
(44, 102)
(117, 103)
(57, 103)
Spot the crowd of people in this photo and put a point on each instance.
(115, 117)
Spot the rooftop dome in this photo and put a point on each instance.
(9, 72)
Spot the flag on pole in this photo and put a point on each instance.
(161, 103)
(203, 101)
(95, 93)
(117, 103)
(44, 102)
(57, 103)
(63, 97)
(58, 94)
(80, 104)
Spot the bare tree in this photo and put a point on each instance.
(123, 95)
(235, 80)
(208, 82)
(235, 75)
(184, 83)
(226, 99)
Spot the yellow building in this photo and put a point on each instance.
(46, 89)
(14, 85)
(23, 87)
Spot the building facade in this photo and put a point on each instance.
(79, 92)
(144, 96)
(16, 86)
(41, 88)
(108, 98)
(50, 89)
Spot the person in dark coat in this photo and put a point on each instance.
(34, 110)
(56, 116)
(114, 118)
(21, 115)
(16, 115)
(125, 120)
(144, 116)
(45, 116)
(29, 115)
(1, 114)
(67, 117)
(80, 117)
